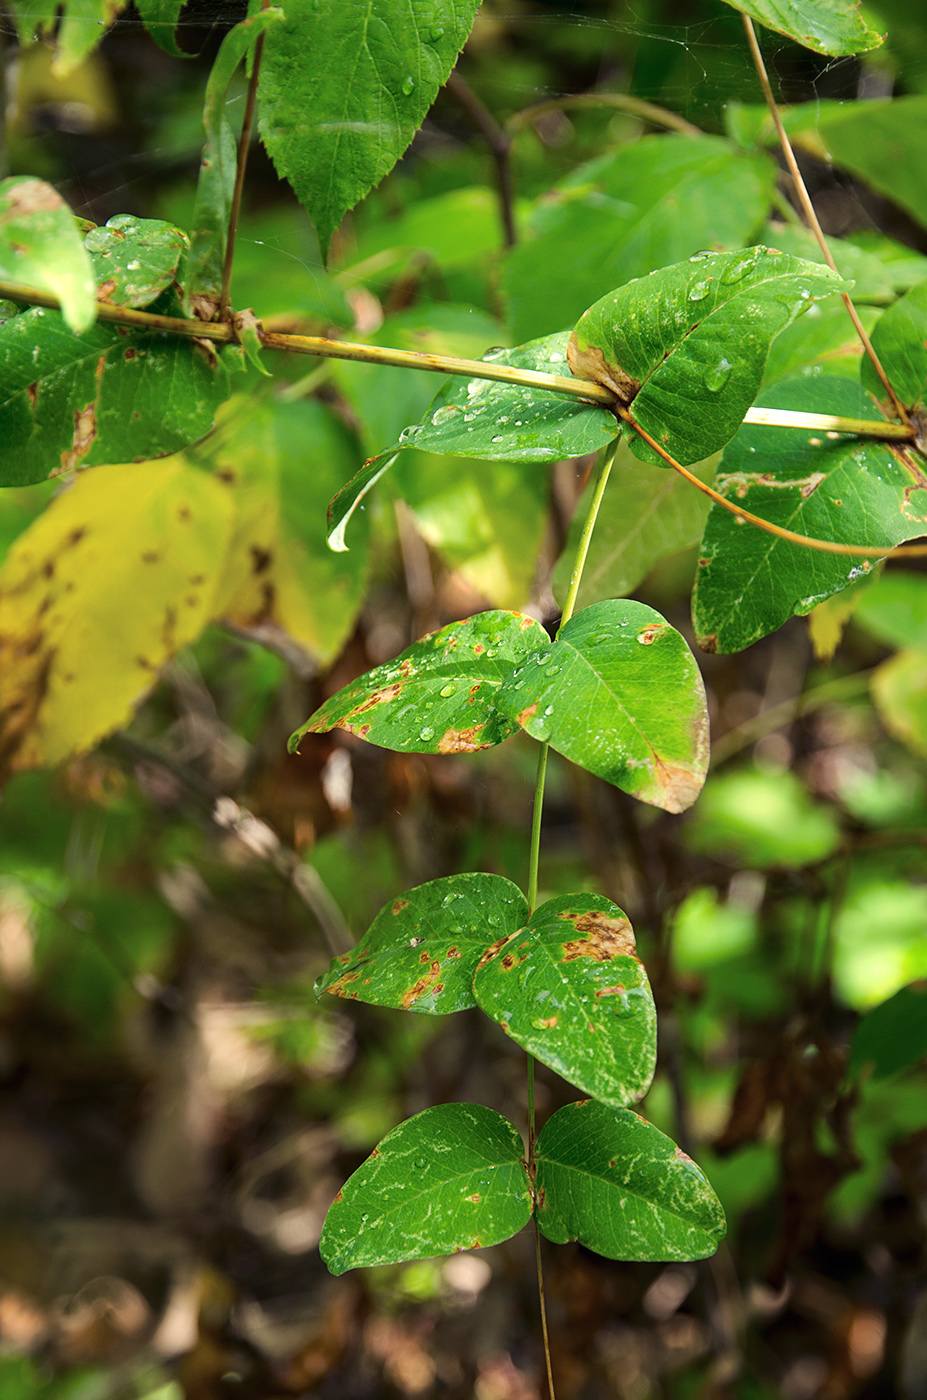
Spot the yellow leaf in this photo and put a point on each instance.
(827, 621)
(112, 580)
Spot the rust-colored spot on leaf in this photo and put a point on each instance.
(340, 988)
(260, 559)
(607, 938)
(83, 438)
(399, 905)
(549, 1023)
(542, 1197)
(375, 1152)
(709, 643)
(478, 649)
(509, 961)
(150, 556)
(377, 697)
(339, 1197)
(452, 953)
(428, 982)
(463, 740)
(32, 393)
(423, 957)
(474, 1199)
(105, 290)
(650, 633)
(491, 951)
(527, 713)
(617, 991)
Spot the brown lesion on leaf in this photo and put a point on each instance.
(383, 696)
(340, 987)
(541, 1198)
(424, 957)
(509, 961)
(606, 938)
(708, 643)
(463, 740)
(261, 559)
(427, 984)
(399, 905)
(616, 991)
(32, 393)
(105, 289)
(675, 786)
(31, 197)
(475, 1199)
(590, 363)
(82, 439)
(527, 713)
(549, 1023)
(339, 1197)
(150, 556)
(452, 953)
(491, 952)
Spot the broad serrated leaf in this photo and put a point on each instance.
(899, 688)
(832, 27)
(209, 233)
(109, 395)
(450, 1178)
(686, 347)
(842, 488)
(345, 84)
(115, 577)
(277, 568)
(611, 1180)
(134, 260)
(570, 988)
(439, 695)
(646, 513)
(900, 341)
(41, 247)
(892, 1036)
(641, 206)
(618, 693)
(82, 25)
(496, 422)
(160, 19)
(421, 951)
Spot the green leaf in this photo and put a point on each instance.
(41, 247)
(496, 422)
(438, 696)
(843, 488)
(762, 819)
(448, 1179)
(620, 694)
(109, 395)
(893, 1036)
(278, 570)
(646, 513)
(885, 144)
(822, 340)
(617, 217)
(611, 1180)
(160, 18)
(454, 230)
(82, 26)
(421, 951)
(894, 609)
(899, 688)
(833, 27)
(345, 84)
(487, 520)
(209, 232)
(900, 341)
(871, 277)
(570, 988)
(134, 260)
(687, 346)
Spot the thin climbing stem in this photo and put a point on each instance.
(808, 209)
(534, 855)
(585, 539)
(226, 333)
(537, 1253)
(854, 551)
(244, 145)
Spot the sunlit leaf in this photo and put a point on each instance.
(613, 1181)
(41, 247)
(620, 694)
(900, 341)
(833, 27)
(421, 951)
(344, 86)
(899, 688)
(686, 347)
(83, 24)
(570, 988)
(832, 488)
(439, 695)
(115, 577)
(763, 819)
(894, 609)
(448, 1179)
(893, 1035)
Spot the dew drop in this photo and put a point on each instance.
(421, 1163)
(494, 352)
(700, 290)
(426, 733)
(408, 83)
(700, 257)
(716, 378)
(437, 33)
(491, 652)
(738, 270)
(449, 689)
(543, 658)
(443, 414)
(498, 438)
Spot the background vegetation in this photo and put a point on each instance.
(177, 1109)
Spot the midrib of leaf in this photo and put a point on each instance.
(577, 1000)
(620, 703)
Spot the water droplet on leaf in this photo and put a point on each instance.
(716, 378)
(738, 270)
(408, 84)
(426, 734)
(700, 290)
(448, 689)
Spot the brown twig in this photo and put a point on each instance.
(244, 145)
(804, 199)
(499, 143)
(854, 551)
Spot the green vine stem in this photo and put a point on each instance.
(225, 333)
(244, 145)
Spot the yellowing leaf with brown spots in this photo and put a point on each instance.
(284, 462)
(102, 589)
